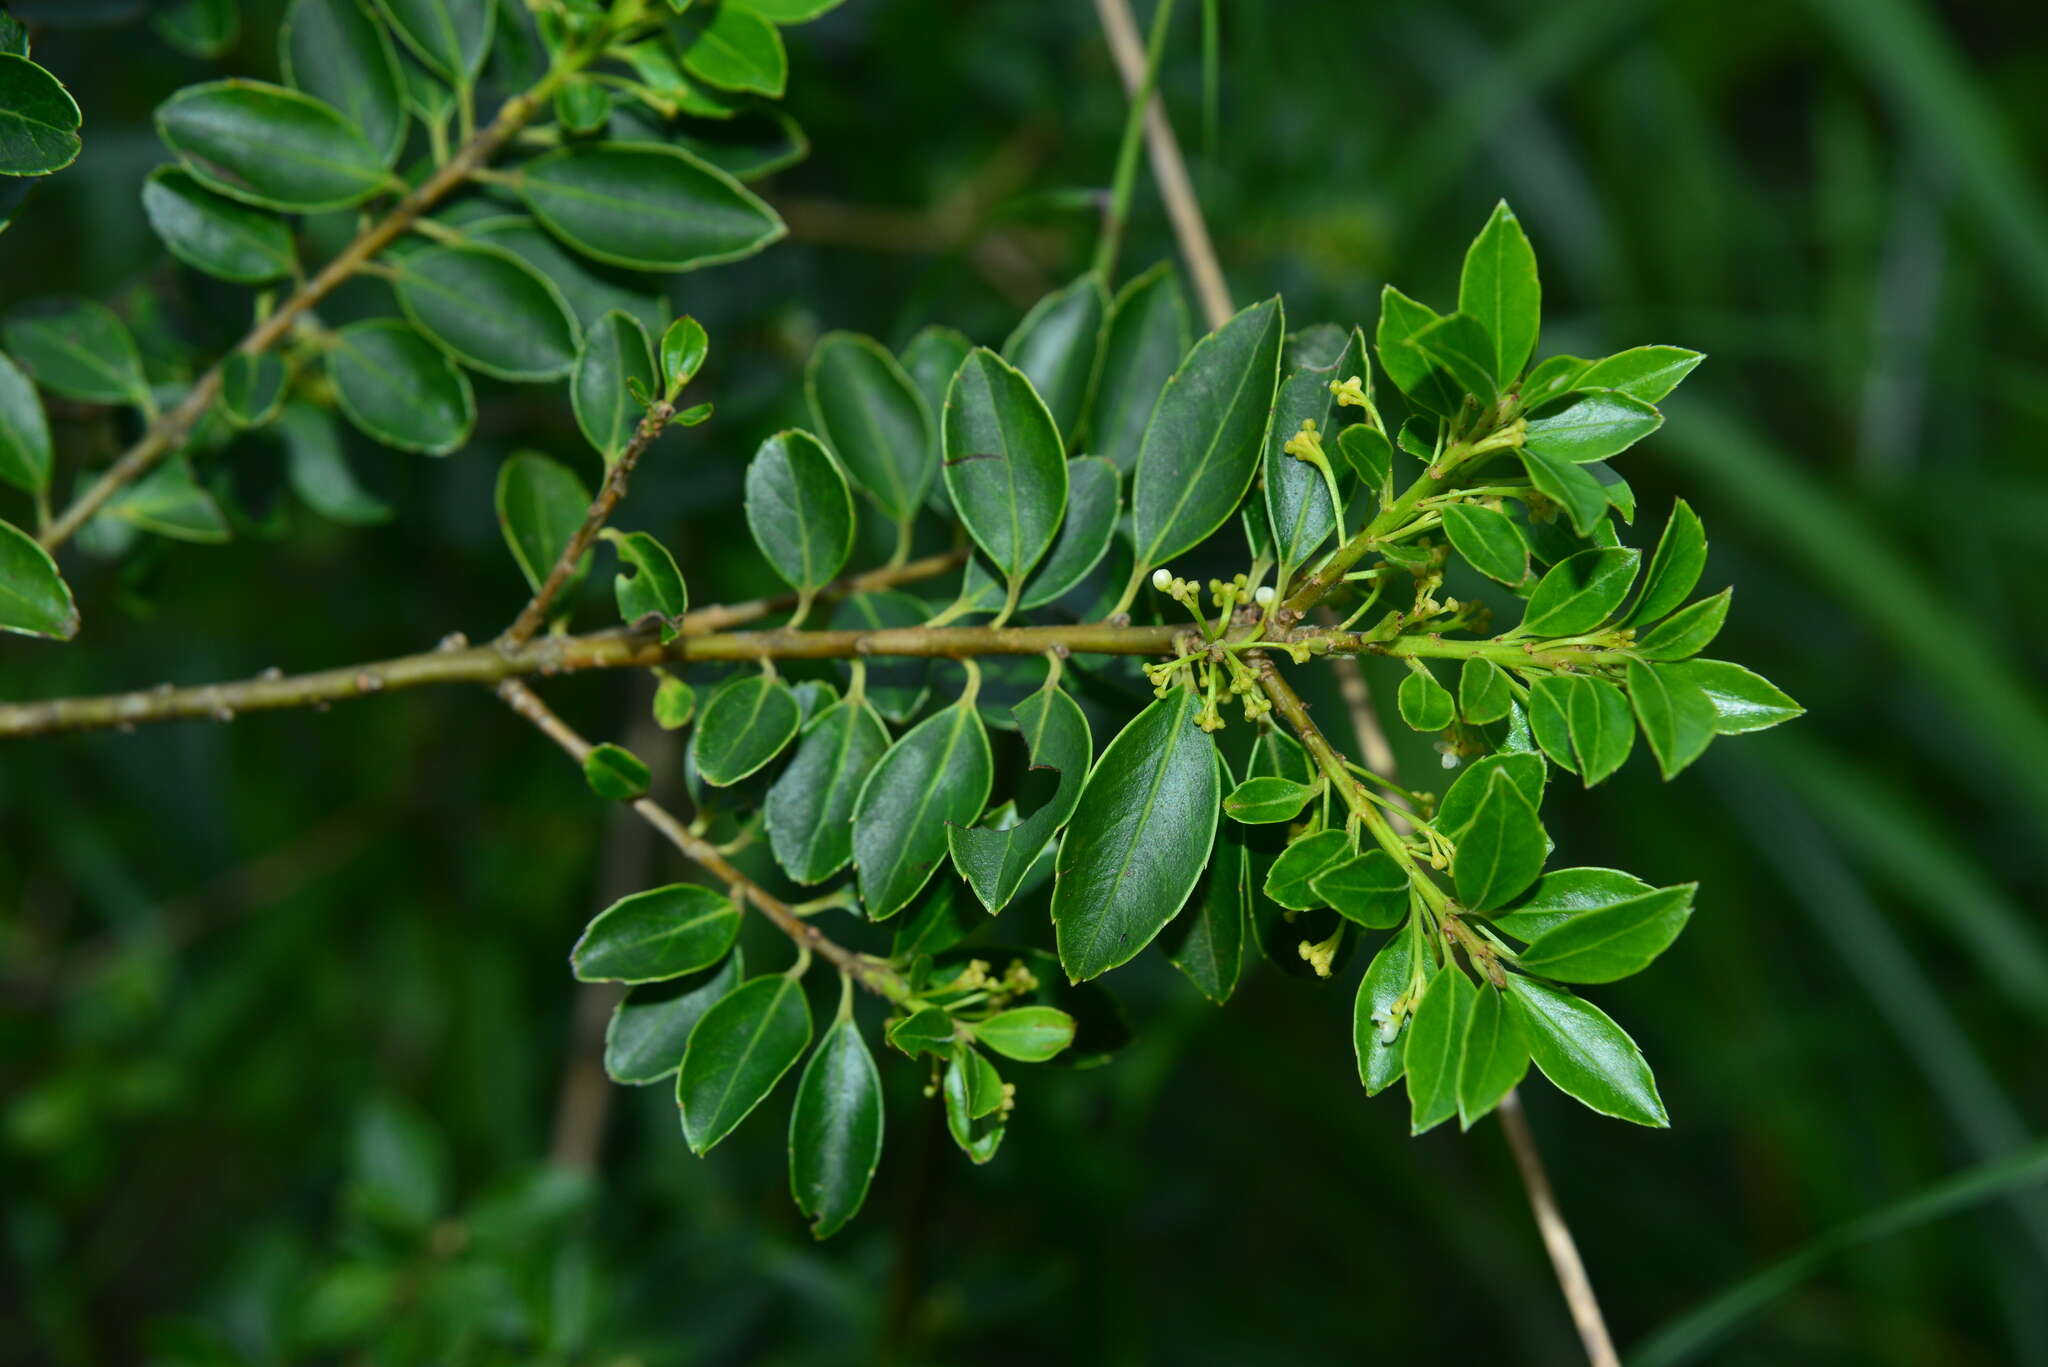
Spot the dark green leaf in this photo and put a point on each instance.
(1207, 944)
(1148, 336)
(733, 48)
(1674, 568)
(1290, 882)
(994, 861)
(650, 1028)
(835, 1132)
(746, 723)
(1550, 719)
(1426, 704)
(1742, 701)
(651, 207)
(1459, 345)
(1490, 542)
(1028, 1034)
(1594, 426)
(1139, 838)
(809, 809)
(338, 51)
(1494, 1056)
(938, 774)
(1381, 1061)
(615, 773)
(930, 360)
(1004, 468)
(1461, 803)
(799, 510)
(592, 290)
(39, 120)
(1585, 1054)
(34, 599)
(81, 351)
(1560, 895)
(655, 588)
(251, 387)
(169, 502)
(616, 355)
(757, 142)
(1262, 801)
(270, 146)
(1483, 692)
(1366, 450)
(655, 935)
(399, 388)
(490, 309)
(1687, 632)
(877, 422)
(1501, 850)
(927, 1030)
(1058, 347)
(1370, 889)
(738, 1052)
(582, 105)
(1580, 592)
(1583, 498)
(1606, 943)
(1297, 498)
(450, 36)
(1085, 533)
(541, 504)
(1436, 1049)
(1645, 372)
(318, 472)
(1413, 371)
(1202, 445)
(215, 234)
(1678, 717)
(1499, 290)
(24, 431)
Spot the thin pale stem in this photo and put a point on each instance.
(1557, 1236)
(1126, 178)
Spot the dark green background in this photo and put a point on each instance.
(220, 943)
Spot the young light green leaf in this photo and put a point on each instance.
(1607, 943)
(318, 471)
(1425, 704)
(1584, 1053)
(1501, 850)
(1436, 1049)
(809, 808)
(675, 702)
(1494, 1056)
(927, 1030)
(212, 233)
(1500, 290)
(1413, 371)
(1552, 376)
(1594, 426)
(1483, 692)
(745, 723)
(615, 773)
(488, 309)
(733, 48)
(972, 1090)
(251, 387)
(1742, 701)
(1290, 882)
(1382, 1061)
(1580, 592)
(1460, 346)
(616, 356)
(684, 347)
(738, 1052)
(1148, 336)
(1264, 801)
(937, 775)
(1139, 839)
(81, 351)
(339, 51)
(1366, 450)
(39, 120)
(876, 420)
(1005, 469)
(541, 504)
(1687, 632)
(34, 599)
(647, 206)
(1028, 1034)
(655, 588)
(835, 1132)
(1645, 372)
(799, 510)
(451, 37)
(1570, 486)
(1489, 540)
(1058, 347)
(784, 13)
(656, 935)
(994, 861)
(1674, 567)
(399, 388)
(24, 431)
(270, 146)
(1370, 889)
(1202, 444)
(650, 1028)
(1085, 533)
(1677, 716)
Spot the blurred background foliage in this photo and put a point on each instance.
(286, 1003)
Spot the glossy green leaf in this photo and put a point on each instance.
(655, 587)
(591, 289)
(1139, 839)
(270, 146)
(212, 233)
(170, 502)
(937, 774)
(896, 686)
(1382, 1061)
(1489, 540)
(1436, 1049)
(1742, 701)
(1203, 443)
(1687, 632)
(1551, 377)
(684, 347)
(489, 309)
(81, 351)
(1148, 336)
(1058, 347)
(1297, 497)
(616, 356)
(1677, 716)
(1550, 718)
(927, 1030)
(1004, 466)
(738, 1052)
(1460, 348)
(1674, 567)
(967, 1091)
(929, 361)
(1370, 889)
(24, 431)
(1461, 801)
(34, 599)
(650, 1028)
(646, 206)
(1028, 1034)
(733, 48)
(1290, 882)
(39, 120)
(1583, 498)
(339, 51)
(655, 935)
(1596, 425)
(318, 471)
(875, 419)
(1207, 943)
(1093, 505)
(451, 37)
(809, 808)
(1264, 801)
(787, 12)
(1366, 450)
(835, 1132)
(541, 505)
(1602, 730)
(1493, 1057)
(1483, 692)
(399, 388)
(745, 723)
(1608, 943)
(1560, 895)
(1501, 850)
(1499, 290)
(583, 106)
(1584, 1053)
(1413, 371)
(1056, 736)
(1425, 704)
(251, 387)
(1645, 372)
(799, 510)
(1580, 592)
(615, 773)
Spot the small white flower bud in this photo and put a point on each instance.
(1162, 579)
(1264, 597)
